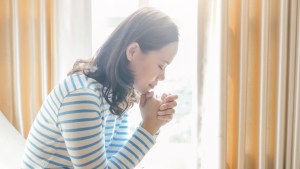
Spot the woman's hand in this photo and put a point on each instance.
(156, 112)
(149, 106)
(166, 110)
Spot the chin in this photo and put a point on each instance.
(143, 90)
(146, 91)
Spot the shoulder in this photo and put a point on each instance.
(79, 82)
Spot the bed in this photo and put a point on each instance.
(12, 144)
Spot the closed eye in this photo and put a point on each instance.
(160, 67)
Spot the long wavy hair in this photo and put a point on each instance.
(152, 30)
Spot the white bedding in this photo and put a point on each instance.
(12, 144)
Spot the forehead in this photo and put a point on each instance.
(166, 53)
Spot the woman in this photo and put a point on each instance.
(83, 121)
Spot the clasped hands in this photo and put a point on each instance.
(156, 112)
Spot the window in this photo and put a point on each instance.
(175, 147)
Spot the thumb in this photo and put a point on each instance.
(142, 100)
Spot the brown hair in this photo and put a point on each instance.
(152, 30)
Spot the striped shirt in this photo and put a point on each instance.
(75, 129)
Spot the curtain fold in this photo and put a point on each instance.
(260, 43)
(21, 56)
(39, 42)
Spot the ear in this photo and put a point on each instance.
(132, 50)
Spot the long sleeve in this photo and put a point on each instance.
(82, 123)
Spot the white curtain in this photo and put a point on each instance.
(39, 41)
(249, 64)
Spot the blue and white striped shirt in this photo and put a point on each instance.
(75, 129)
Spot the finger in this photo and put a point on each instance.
(168, 105)
(165, 118)
(170, 98)
(166, 112)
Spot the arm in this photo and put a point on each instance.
(81, 121)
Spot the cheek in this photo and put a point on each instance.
(145, 75)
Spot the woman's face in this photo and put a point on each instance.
(149, 68)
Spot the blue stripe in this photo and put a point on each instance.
(122, 133)
(48, 137)
(115, 164)
(80, 81)
(86, 146)
(29, 166)
(82, 129)
(27, 156)
(82, 94)
(127, 158)
(116, 145)
(108, 134)
(83, 138)
(140, 131)
(48, 145)
(56, 96)
(97, 89)
(123, 127)
(110, 121)
(53, 111)
(111, 151)
(131, 152)
(78, 111)
(109, 127)
(80, 102)
(141, 141)
(90, 84)
(49, 113)
(73, 83)
(52, 154)
(86, 155)
(61, 93)
(50, 108)
(96, 167)
(49, 161)
(42, 114)
(90, 162)
(53, 101)
(79, 120)
(138, 148)
(66, 86)
(48, 129)
(120, 139)
(121, 163)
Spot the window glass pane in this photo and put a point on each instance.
(175, 147)
(106, 15)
